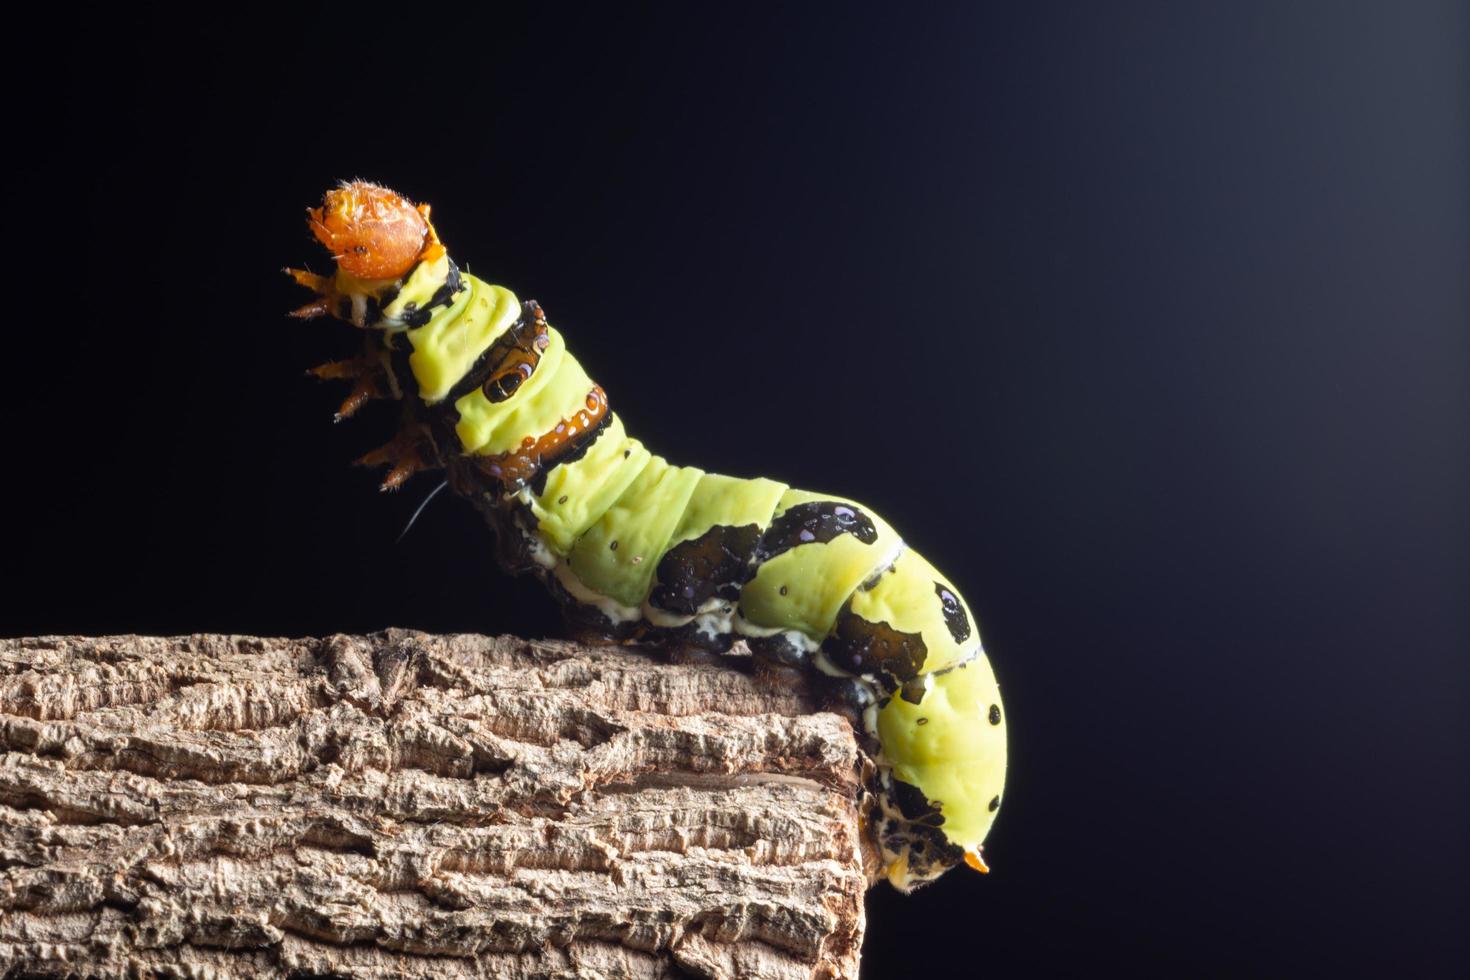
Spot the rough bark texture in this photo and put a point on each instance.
(416, 805)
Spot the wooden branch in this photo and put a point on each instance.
(420, 806)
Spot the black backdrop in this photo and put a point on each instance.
(1147, 323)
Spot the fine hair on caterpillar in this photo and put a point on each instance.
(419, 510)
(634, 547)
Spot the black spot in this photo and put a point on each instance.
(954, 613)
(922, 721)
(995, 804)
(614, 546)
(784, 590)
(816, 522)
(695, 571)
(860, 646)
(995, 714)
(874, 579)
(562, 499)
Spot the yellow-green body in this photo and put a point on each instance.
(826, 580)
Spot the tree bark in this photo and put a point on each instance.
(418, 806)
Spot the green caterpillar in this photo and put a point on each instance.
(635, 547)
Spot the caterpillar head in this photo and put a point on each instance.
(373, 233)
(425, 328)
(376, 237)
(386, 255)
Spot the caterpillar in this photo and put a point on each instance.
(635, 548)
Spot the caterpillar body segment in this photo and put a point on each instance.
(637, 548)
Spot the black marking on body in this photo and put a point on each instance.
(850, 697)
(384, 301)
(929, 852)
(954, 613)
(914, 805)
(399, 350)
(691, 636)
(816, 522)
(584, 618)
(780, 649)
(697, 570)
(995, 714)
(522, 343)
(860, 646)
(480, 370)
(574, 450)
(373, 309)
(503, 385)
(995, 804)
(453, 284)
(912, 690)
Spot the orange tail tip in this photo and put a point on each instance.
(974, 860)
(372, 232)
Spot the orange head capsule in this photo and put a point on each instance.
(372, 232)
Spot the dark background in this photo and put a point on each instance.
(1146, 322)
